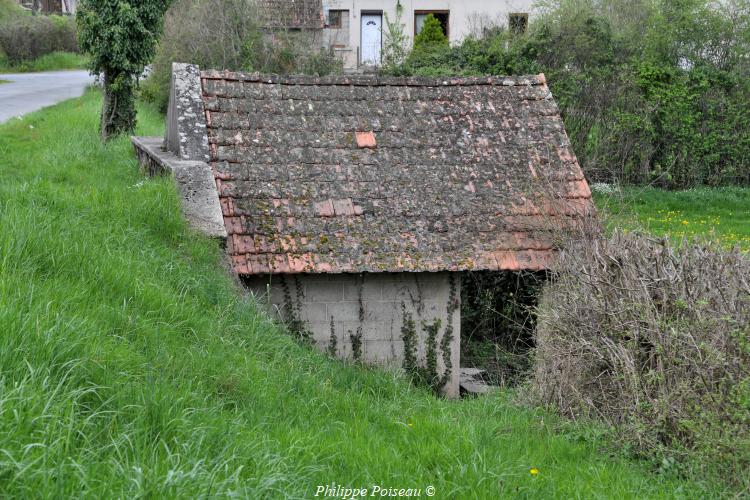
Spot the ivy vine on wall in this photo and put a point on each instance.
(429, 373)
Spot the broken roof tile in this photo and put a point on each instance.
(366, 140)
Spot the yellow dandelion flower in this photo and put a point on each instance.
(533, 471)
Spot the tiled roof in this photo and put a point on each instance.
(291, 14)
(368, 174)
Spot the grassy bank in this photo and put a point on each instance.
(722, 214)
(133, 366)
(55, 61)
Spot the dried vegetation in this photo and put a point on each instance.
(654, 339)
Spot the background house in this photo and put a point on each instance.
(354, 28)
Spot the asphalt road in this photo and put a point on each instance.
(28, 92)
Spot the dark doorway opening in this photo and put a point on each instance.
(498, 323)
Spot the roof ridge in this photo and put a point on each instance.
(375, 80)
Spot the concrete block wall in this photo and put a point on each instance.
(371, 303)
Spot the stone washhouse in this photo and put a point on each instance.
(353, 203)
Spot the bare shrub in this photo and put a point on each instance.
(655, 339)
(27, 38)
(208, 33)
(228, 34)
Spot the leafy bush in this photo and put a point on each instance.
(26, 38)
(651, 93)
(394, 41)
(225, 34)
(654, 339)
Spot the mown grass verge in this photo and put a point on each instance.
(722, 214)
(54, 61)
(133, 366)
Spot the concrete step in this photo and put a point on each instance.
(477, 388)
(470, 381)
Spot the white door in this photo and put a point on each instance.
(372, 25)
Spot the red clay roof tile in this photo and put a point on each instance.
(466, 173)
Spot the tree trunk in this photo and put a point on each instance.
(118, 108)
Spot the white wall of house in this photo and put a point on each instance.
(69, 6)
(465, 17)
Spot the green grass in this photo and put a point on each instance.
(54, 61)
(722, 214)
(4, 81)
(133, 366)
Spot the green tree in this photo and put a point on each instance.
(120, 36)
(431, 36)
